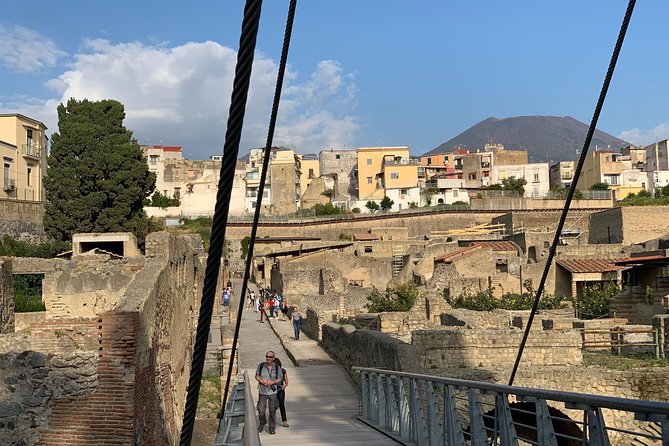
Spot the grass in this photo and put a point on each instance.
(209, 402)
(201, 226)
(614, 362)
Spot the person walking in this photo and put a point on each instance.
(269, 377)
(281, 394)
(284, 310)
(261, 309)
(297, 321)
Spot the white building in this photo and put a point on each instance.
(536, 175)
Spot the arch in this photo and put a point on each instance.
(440, 201)
(532, 254)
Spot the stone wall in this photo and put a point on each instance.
(6, 296)
(461, 347)
(661, 324)
(366, 348)
(629, 225)
(17, 210)
(520, 203)
(141, 346)
(23, 321)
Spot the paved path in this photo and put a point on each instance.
(321, 401)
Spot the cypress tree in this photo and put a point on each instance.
(97, 177)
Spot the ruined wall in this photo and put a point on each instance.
(629, 225)
(461, 347)
(366, 348)
(520, 203)
(6, 296)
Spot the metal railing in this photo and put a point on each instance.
(239, 425)
(430, 410)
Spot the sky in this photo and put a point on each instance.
(360, 73)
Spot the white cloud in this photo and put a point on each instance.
(644, 137)
(27, 51)
(181, 96)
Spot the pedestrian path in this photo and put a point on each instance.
(321, 401)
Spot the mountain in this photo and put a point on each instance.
(546, 138)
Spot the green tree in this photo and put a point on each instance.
(428, 193)
(327, 209)
(386, 204)
(400, 298)
(599, 186)
(595, 300)
(515, 184)
(159, 200)
(97, 178)
(373, 206)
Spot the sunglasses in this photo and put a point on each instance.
(271, 357)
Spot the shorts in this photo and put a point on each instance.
(284, 310)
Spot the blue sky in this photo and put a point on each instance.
(361, 73)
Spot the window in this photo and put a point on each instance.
(429, 161)
(369, 180)
(394, 175)
(311, 173)
(368, 249)
(29, 172)
(404, 191)
(29, 140)
(177, 193)
(337, 156)
(369, 161)
(5, 169)
(455, 193)
(153, 160)
(536, 178)
(265, 193)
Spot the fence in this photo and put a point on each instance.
(429, 410)
(239, 425)
(618, 341)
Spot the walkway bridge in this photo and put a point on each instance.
(325, 407)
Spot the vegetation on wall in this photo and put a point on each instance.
(28, 293)
(200, 225)
(245, 246)
(98, 178)
(45, 250)
(400, 298)
(485, 301)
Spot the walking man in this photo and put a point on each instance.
(269, 377)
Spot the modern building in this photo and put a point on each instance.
(561, 174)
(536, 175)
(23, 150)
(381, 168)
(285, 172)
(657, 156)
(156, 157)
(310, 169)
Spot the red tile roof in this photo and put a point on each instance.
(460, 253)
(498, 245)
(171, 148)
(641, 259)
(590, 265)
(365, 237)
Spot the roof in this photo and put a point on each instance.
(652, 259)
(306, 249)
(590, 265)
(172, 148)
(458, 254)
(24, 117)
(499, 245)
(365, 237)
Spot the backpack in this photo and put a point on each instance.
(275, 370)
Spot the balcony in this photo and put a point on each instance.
(401, 162)
(485, 165)
(33, 151)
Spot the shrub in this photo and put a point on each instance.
(355, 210)
(386, 204)
(595, 300)
(327, 209)
(46, 250)
(373, 206)
(245, 246)
(400, 298)
(28, 293)
(484, 301)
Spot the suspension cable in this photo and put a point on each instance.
(261, 189)
(247, 44)
(572, 189)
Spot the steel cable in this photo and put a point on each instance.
(572, 189)
(247, 43)
(261, 189)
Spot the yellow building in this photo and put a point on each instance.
(603, 166)
(381, 168)
(310, 169)
(23, 150)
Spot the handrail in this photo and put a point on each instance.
(229, 430)
(426, 410)
(610, 402)
(251, 435)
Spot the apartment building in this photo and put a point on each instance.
(23, 150)
(310, 169)
(156, 157)
(614, 169)
(535, 174)
(381, 168)
(561, 174)
(657, 156)
(285, 171)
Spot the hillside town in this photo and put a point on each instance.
(464, 234)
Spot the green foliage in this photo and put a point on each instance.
(386, 204)
(428, 193)
(327, 209)
(599, 186)
(28, 293)
(45, 250)
(347, 237)
(595, 300)
(200, 225)
(400, 298)
(562, 192)
(515, 184)
(373, 206)
(643, 198)
(649, 297)
(413, 205)
(355, 210)
(245, 246)
(159, 200)
(495, 186)
(459, 203)
(484, 301)
(97, 179)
